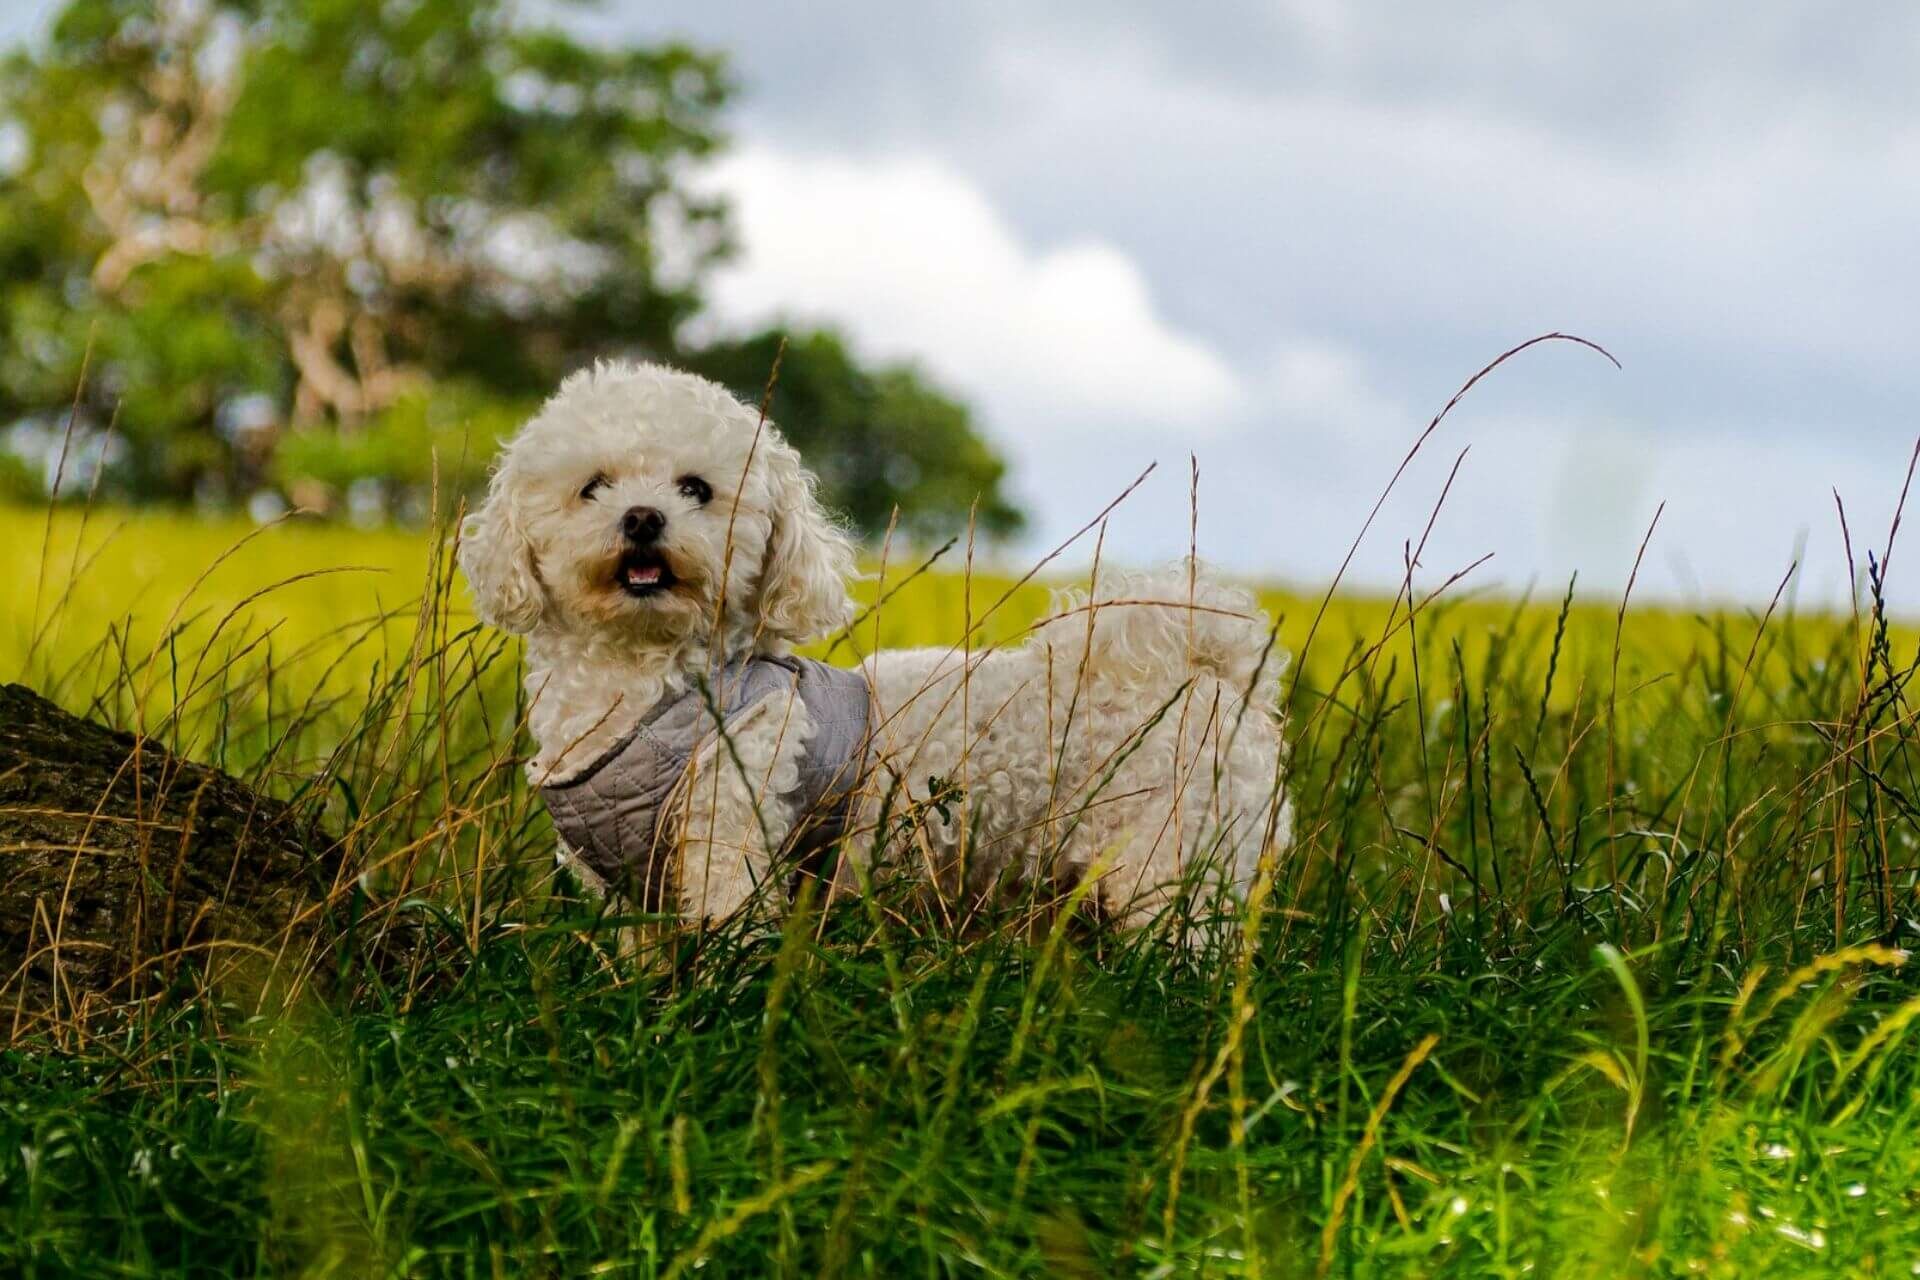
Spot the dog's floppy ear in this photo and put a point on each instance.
(497, 558)
(803, 583)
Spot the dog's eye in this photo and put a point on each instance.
(593, 486)
(697, 489)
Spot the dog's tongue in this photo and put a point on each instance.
(642, 575)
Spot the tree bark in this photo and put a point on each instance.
(127, 872)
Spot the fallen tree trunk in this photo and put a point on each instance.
(127, 871)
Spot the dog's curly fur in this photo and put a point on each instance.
(1133, 736)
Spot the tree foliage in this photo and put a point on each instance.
(304, 243)
(880, 438)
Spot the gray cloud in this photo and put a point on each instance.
(1719, 194)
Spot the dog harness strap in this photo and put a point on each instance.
(611, 813)
(840, 706)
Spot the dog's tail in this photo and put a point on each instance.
(1154, 631)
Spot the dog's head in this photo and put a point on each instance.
(649, 505)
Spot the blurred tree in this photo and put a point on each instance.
(307, 241)
(880, 438)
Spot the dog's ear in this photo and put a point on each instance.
(497, 557)
(803, 583)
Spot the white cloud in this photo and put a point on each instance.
(914, 261)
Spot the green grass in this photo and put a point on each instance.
(1580, 965)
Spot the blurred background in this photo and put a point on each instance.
(306, 254)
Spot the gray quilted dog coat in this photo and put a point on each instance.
(613, 814)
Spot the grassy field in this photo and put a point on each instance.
(1586, 961)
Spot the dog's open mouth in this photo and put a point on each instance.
(643, 572)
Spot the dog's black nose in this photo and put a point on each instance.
(642, 524)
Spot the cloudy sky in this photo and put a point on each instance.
(1278, 236)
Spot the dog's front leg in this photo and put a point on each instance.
(737, 817)
(567, 859)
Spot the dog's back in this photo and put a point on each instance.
(1136, 729)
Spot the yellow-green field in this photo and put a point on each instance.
(329, 599)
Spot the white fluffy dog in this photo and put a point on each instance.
(654, 539)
